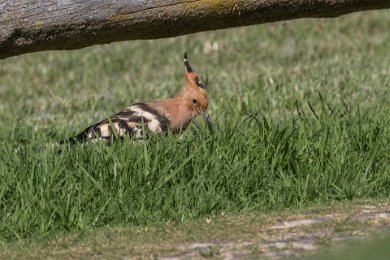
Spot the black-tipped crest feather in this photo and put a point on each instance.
(189, 70)
(187, 64)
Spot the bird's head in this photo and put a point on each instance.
(194, 94)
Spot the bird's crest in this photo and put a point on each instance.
(192, 78)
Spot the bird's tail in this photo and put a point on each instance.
(81, 137)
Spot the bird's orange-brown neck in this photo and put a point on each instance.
(175, 109)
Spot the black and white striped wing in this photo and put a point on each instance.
(129, 121)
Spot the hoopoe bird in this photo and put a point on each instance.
(158, 115)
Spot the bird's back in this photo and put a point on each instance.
(130, 121)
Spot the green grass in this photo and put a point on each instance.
(301, 109)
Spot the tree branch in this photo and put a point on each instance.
(30, 26)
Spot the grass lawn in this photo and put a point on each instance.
(302, 118)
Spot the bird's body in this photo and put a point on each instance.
(158, 115)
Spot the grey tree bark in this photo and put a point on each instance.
(30, 26)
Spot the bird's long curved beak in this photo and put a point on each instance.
(207, 119)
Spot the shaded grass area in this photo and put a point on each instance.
(375, 247)
(300, 107)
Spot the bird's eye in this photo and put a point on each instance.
(194, 101)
